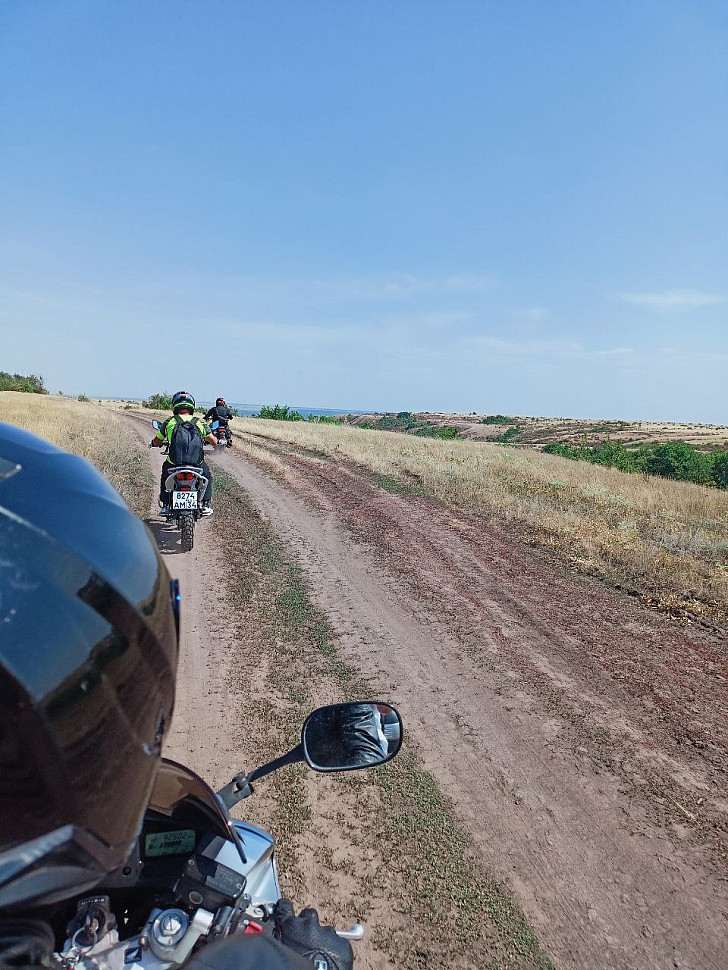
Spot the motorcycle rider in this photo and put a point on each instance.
(349, 735)
(223, 415)
(88, 661)
(183, 409)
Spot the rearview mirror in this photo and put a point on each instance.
(342, 737)
(156, 424)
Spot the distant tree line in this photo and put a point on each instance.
(162, 401)
(674, 459)
(32, 384)
(282, 412)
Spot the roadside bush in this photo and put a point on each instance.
(82, 397)
(719, 468)
(675, 459)
(278, 412)
(30, 384)
(161, 401)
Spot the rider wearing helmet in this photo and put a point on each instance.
(350, 735)
(183, 409)
(223, 415)
(88, 660)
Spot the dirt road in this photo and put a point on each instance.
(581, 738)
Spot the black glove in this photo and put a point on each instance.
(307, 936)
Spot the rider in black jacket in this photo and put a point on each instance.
(89, 626)
(221, 413)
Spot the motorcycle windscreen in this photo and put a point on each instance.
(181, 795)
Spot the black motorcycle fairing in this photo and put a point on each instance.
(88, 652)
(184, 798)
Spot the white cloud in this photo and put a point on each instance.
(390, 287)
(468, 283)
(323, 290)
(430, 320)
(673, 299)
(543, 348)
(529, 314)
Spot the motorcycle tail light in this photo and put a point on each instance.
(184, 477)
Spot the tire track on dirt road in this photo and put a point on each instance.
(602, 885)
(204, 691)
(331, 846)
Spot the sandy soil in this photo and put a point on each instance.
(204, 734)
(582, 738)
(205, 691)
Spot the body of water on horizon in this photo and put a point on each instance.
(245, 410)
(249, 409)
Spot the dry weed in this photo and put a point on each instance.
(86, 429)
(666, 541)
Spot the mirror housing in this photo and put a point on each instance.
(339, 737)
(345, 737)
(156, 425)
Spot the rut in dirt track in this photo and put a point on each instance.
(492, 689)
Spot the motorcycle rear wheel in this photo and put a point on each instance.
(187, 525)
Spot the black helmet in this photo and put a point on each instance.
(88, 656)
(220, 402)
(182, 399)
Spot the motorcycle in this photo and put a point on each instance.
(195, 875)
(223, 433)
(187, 486)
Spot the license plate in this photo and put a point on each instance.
(184, 500)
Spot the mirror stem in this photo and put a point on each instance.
(285, 759)
(240, 787)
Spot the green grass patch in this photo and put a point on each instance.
(397, 486)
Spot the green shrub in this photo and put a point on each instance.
(614, 453)
(278, 412)
(403, 421)
(497, 419)
(674, 459)
(677, 460)
(719, 468)
(446, 431)
(82, 397)
(30, 384)
(509, 434)
(162, 401)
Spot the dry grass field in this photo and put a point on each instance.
(665, 541)
(571, 431)
(84, 428)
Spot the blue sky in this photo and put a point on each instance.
(471, 206)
